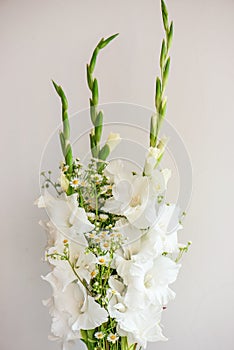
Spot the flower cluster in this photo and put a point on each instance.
(112, 238)
(113, 259)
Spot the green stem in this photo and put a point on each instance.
(161, 82)
(96, 116)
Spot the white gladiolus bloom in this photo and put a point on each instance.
(140, 325)
(66, 216)
(147, 281)
(159, 179)
(72, 310)
(132, 198)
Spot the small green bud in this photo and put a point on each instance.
(164, 15)
(163, 107)
(170, 36)
(153, 128)
(98, 126)
(93, 113)
(166, 72)
(104, 42)
(93, 60)
(89, 77)
(104, 152)
(163, 54)
(95, 92)
(158, 93)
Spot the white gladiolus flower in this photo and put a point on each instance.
(113, 140)
(66, 216)
(132, 198)
(72, 310)
(147, 281)
(140, 325)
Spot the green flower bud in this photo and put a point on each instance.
(98, 126)
(95, 92)
(104, 152)
(170, 36)
(158, 93)
(166, 72)
(163, 54)
(89, 77)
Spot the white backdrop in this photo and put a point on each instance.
(40, 40)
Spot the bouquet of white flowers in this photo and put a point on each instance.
(112, 240)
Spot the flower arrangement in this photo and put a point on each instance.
(112, 240)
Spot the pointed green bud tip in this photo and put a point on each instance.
(104, 42)
(164, 15)
(56, 86)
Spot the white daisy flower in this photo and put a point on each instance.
(112, 338)
(103, 259)
(105, 245)
(74, 182)
(99, 335)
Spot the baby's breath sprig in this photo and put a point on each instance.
(183, 249)
(161, 82)
(96, 116)
(49, 182)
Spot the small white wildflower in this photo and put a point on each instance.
(91, 215)
(91, 235)
(103, 259)
(112, 338)
(99, 335)
(93, 273)
(103, 217)
(74, 182)
(105, 245)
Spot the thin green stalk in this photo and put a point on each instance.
(96, 116)
(161, 82)
(65, 134)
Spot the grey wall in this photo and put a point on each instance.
(40, 40)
